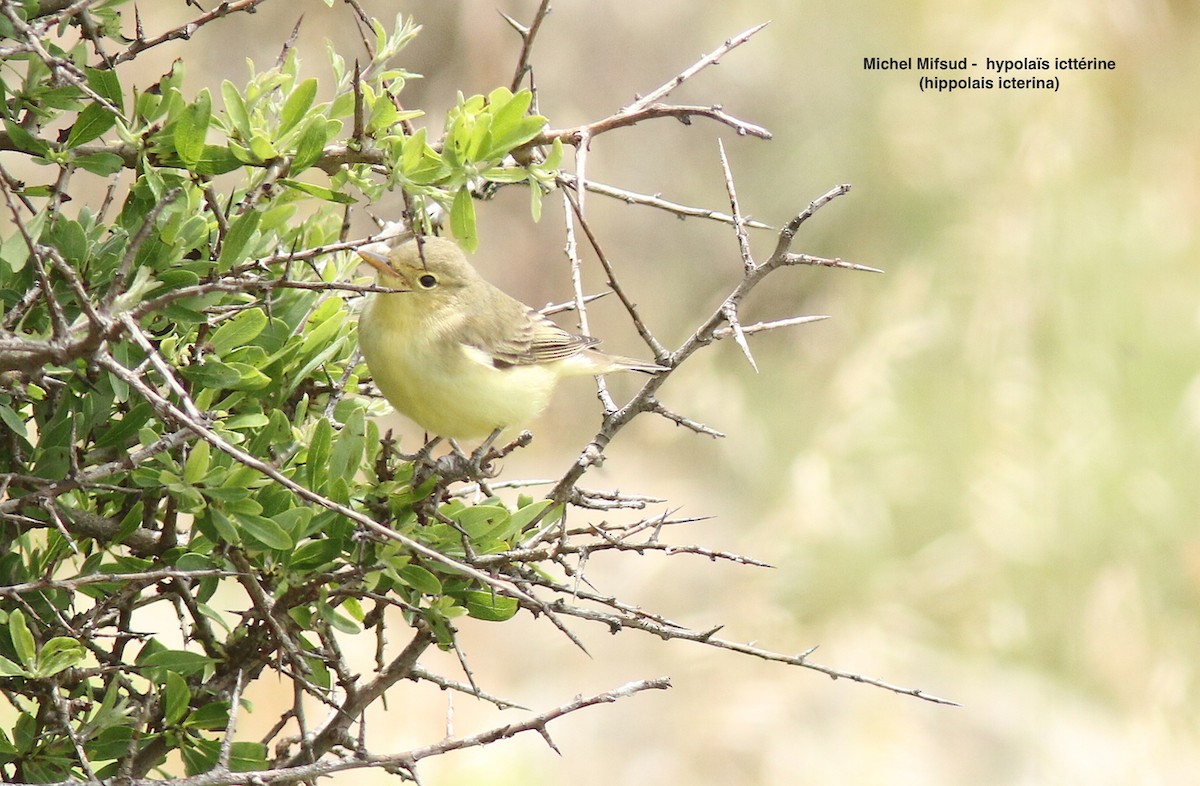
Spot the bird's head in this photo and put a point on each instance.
(431, 269)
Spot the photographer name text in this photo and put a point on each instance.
(1026, 73)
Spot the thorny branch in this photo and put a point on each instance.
(655, 201)
(722, 323)
(85, 329)
(528, 34)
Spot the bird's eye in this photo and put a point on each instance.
(427, 281)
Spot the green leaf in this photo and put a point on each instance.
(297, 104)
(57, 654)
(148, 106)
(266, 532)
(317, 464)
(522, 517)
(10, 669)
(216, 160)
(480, 135)
(420, 579)
(242, 153)
(489, 606)
(24, 731)
(293, 521)
(506, 174)
(240, 233)
(103, 164)
(199, 755)
(347, 456)
(191, 128)
(213, 716)
(323, 326)
(383, 115)
(176, 698)
(238, 331)
(535, 202)
(70, 239)
(554, 160)
(479, 520)
(462, 219)
(40, 191)
(313, 554)
(181, 661)
(247, 756)
(414, 151)
(197, 463)
(250, 420)
(93, 121)
(510, 125)
(22, 639)
(25, 141)
(109, 744)
(14, 422)
(14, 253)
(262, 148)
(525, 130)
(320, 192)
(235, 107)
(338, 620)
(192, 561)
(352, 607)
(106, 84)
(311, 145)
(508, 106)
(212, 374)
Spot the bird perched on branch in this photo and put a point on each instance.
(458, 356)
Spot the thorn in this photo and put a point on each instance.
(807, 259)
(289, 43)
(730, 312)
(542, 729)
(521, 29)
(357, 135)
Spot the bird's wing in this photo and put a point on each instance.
(529, 339)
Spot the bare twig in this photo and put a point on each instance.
(555, 308)
(669, 630)
(660, 352)
(707, 60)
(419, 674)
(186, 30)
(656, 406)
(235, 700)
(759, 327)
(528, 33)
(739, 223)
(648, 107)
(360, 697)
(578, 135)
(71, 585)
(656, 201)
(572, 252)
(593, 452)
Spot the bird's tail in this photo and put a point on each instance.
(621, 363)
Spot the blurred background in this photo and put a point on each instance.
(981, 477)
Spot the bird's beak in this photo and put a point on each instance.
(377, 261)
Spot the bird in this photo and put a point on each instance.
(457, 355)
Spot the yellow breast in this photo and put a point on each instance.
(446, 387)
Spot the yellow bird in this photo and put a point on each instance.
(460, 357)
